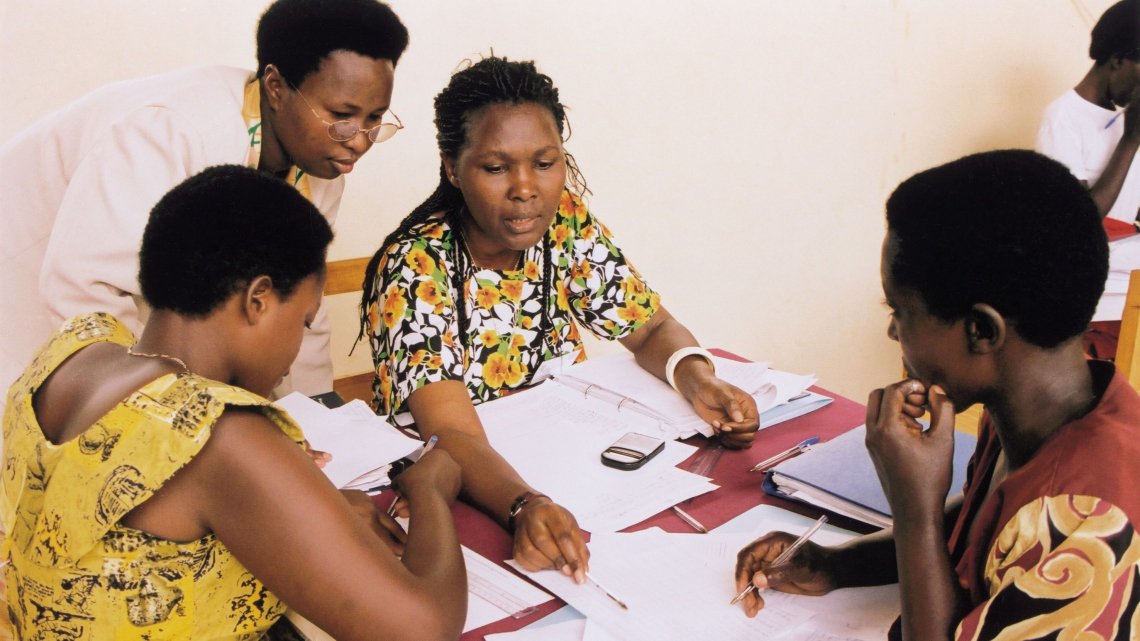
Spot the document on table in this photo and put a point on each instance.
(678, 587)
(362, 444)
(554, 438)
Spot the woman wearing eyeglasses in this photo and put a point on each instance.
(490, 278)
(78, 183)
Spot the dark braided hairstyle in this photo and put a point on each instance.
(491, 81)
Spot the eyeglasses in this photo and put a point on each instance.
(343, 130)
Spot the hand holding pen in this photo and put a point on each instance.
(404, 464)
(783, 562)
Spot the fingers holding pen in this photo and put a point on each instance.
(547, 537)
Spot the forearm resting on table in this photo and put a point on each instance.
(443, 409)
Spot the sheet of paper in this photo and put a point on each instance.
(359, 442)
(687, 597)
(563, 631)
(554, 438)
(494, 593)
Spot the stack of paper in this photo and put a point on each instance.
(363, 445)
(618, 379)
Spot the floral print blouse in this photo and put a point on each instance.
(414, 326)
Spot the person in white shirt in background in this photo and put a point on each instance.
(79, 183)
(1083, 130)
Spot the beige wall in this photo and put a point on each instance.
(740, 150)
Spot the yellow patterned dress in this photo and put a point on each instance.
(75, 572)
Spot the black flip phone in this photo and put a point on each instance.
(631, 451)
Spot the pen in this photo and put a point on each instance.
(785, 556)
(1113, 119)
(687, 518)
(415, 456)
(606, 592)
(798, 448)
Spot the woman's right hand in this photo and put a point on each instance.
(807, 572)
(435, 471)
(547, 537)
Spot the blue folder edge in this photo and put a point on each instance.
(820, 467)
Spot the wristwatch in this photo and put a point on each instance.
(519, 504)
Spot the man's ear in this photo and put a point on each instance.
(986, 329)
(257, 299)
(274, 85)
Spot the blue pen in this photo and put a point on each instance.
(1113, 119)
(399, 466)
(795, 450)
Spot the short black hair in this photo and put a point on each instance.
(215, 232)
(1012, 229)
(296, 35)
(1117, 33)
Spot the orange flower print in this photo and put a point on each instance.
(633, 286)
(432, 230)
(517, 341)
(420, 262)
(499, 371)
(448, 339)
(635, 314)
(561, 233)
(610, 325)
(571, 206)
(530, 270)
(489, 338)
(428, 292)
(512, 289)
(374, 315)
(435, 362)
(563, 297)
(385, 386)
(583, 270)
(487, 297)
(419, 357)
(587, 232)
(527, 322)
(394, 306)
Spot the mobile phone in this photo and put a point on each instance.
(631, 451)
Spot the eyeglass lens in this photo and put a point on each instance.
(342, 130)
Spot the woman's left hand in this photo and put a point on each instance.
(731, 412)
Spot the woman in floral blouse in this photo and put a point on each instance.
(489, 278)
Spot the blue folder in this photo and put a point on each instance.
(839, 476)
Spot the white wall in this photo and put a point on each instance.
(741, 150)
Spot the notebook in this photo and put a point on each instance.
(839, 476)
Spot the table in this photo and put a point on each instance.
(739, 491)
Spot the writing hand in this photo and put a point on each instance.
(914, 466)
(805, 573)
(378, 521)
(547, 537)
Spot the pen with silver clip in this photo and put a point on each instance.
(786, 555)
(606, 592)
(798, 448)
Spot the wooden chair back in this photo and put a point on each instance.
(345, 277)
(1127, 346)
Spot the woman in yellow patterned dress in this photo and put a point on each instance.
(490, 278)
(150, 492)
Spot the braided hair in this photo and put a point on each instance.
(490, 81)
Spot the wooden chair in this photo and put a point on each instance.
(1128, 345)
(346, 277)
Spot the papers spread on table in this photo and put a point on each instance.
(678, 587)
(619, 380)
(363, 445)
(554, 437)
(492, 594)
(839, 476)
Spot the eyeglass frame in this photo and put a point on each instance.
(394, 127)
